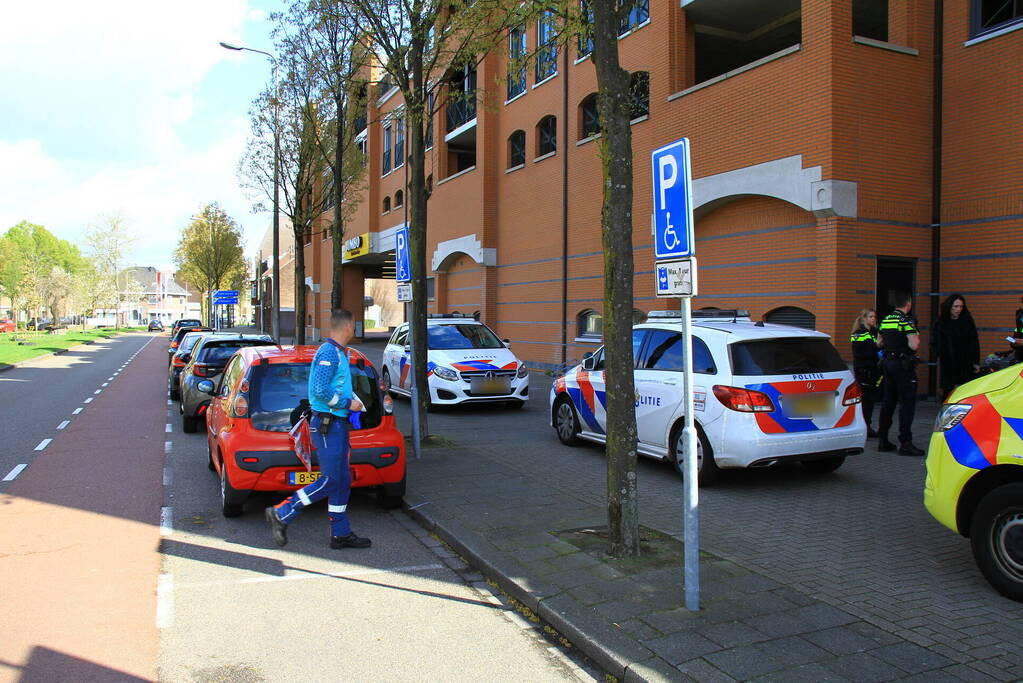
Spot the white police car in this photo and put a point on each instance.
(466, 362)
(764, 394)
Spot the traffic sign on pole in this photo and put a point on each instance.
(404, 291)
(402, 263)
(673, 205)
(676, 278)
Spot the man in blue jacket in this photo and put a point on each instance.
(331, 399)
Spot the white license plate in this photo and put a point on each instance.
(492, 386)
(809, 405)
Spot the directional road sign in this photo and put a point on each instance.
(673, 203)
(403, 268)
(676, 278)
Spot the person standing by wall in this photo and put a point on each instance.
(1017, 333)
(865, 339)
(901, 341)
(955, 341)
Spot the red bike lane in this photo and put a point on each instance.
(79, 538)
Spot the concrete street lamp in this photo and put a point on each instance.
(276, 287)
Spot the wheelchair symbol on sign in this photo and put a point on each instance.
(671, 240)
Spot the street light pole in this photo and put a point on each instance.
(275, 296)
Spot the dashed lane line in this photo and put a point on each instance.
(165, 601)
(43, 444)
(13, 474)
(167, 446)
(88, 400)
(97, 391)
(169, 428)
(76, 411)
(166, 521)
(63, 424)
(168, 478)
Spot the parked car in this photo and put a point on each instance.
(7, 325)
(466, 363)
(155, 326)
(206, 361)
(40, 324)
(974, 482)
(184, 322)
(178, 361)
(249, 418)
(176, 338)
(764, 394)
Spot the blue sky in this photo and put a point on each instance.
(128, 107)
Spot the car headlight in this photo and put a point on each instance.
(951, 415)
(523, 371)
(446, 373)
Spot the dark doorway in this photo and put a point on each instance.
(894, 275)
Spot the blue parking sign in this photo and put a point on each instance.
(673, 203)
(403, 268)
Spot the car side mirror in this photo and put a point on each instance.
(507, 343)
(589, 363)
(408, 348)
(206, 387)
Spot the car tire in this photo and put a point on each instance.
(189, 425)
(231, 499)
(823, 465)
(386, 379)
(707, 468)
(175, 393)
(390, 496)
(996, 535)
(566, 422)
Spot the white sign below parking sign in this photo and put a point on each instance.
(676, 278)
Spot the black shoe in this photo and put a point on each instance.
(911, 450)
(278, 529)
(349, 541)
(871, 434)
(884, 445)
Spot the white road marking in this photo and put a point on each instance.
(170, 402)
(88, 400)
(110, 379)
(106, 384)
(167, 445)
(63, 424)
(76, 411)
(314, 575)
(43, 444)
(166, 521)
(97, 391)
(168, 429)
(165, 601)
(168, 478)
(13, 474)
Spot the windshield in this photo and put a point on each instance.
(277, 389)
(445, 337)
(794, 355)
(218, 354)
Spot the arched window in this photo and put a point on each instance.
(591, 324)
(547, 136)
(639, 85)
(387, 204)
(589, 118)
(792, 315)
(399, 198)
(517, 148)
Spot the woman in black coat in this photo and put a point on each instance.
(955, 340)
(865, 341)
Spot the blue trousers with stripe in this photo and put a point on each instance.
(335, 482)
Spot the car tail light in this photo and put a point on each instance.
(250, 459)
(174, 345)
(743, 400)
(388, 404)
(240, 407)
(178, 362)
(853, 394)
(200, 370)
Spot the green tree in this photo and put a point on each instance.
(36, 252)
(109, 243)
(12, 272)
(209, 252)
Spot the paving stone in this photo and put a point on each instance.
(670, 621)
(911, 658)
(864, 667)
(703, 671)
(793, 651)
(842, 640)
(639, 629)
(682, 646)
(807, 673)
(732, 633)
(745, 662)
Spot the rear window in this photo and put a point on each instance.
(795, 355)
(277, 389)
(188, 341)
(218, 354)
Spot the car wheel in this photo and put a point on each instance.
(824, 465)
(175, 393)
(389, 496)
(566, 423)
(189, 425)
(707, 469)
(386, 377)
(231, 499)
(996, 535)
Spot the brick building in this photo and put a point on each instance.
(838, 148)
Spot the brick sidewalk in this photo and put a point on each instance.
(836, 577)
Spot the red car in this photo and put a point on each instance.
(250, 415)
(7, 325)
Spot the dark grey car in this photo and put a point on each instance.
(179, 359)
(207, 361)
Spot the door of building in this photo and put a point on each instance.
(893, 275)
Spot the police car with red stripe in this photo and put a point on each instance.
(466, 363)
(764, 394)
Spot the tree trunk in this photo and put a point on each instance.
(615, 98)
(299, 285)
(416, 197)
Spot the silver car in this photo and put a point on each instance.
(207, 361)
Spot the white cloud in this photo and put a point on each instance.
(98, 114)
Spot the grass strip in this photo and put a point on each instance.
(21, 346)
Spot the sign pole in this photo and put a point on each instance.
(403, 274)
(690, 484)
(415, 387)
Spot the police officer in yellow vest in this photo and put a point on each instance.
(900, 340)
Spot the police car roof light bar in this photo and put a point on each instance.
(733, 314)
(437, 316)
